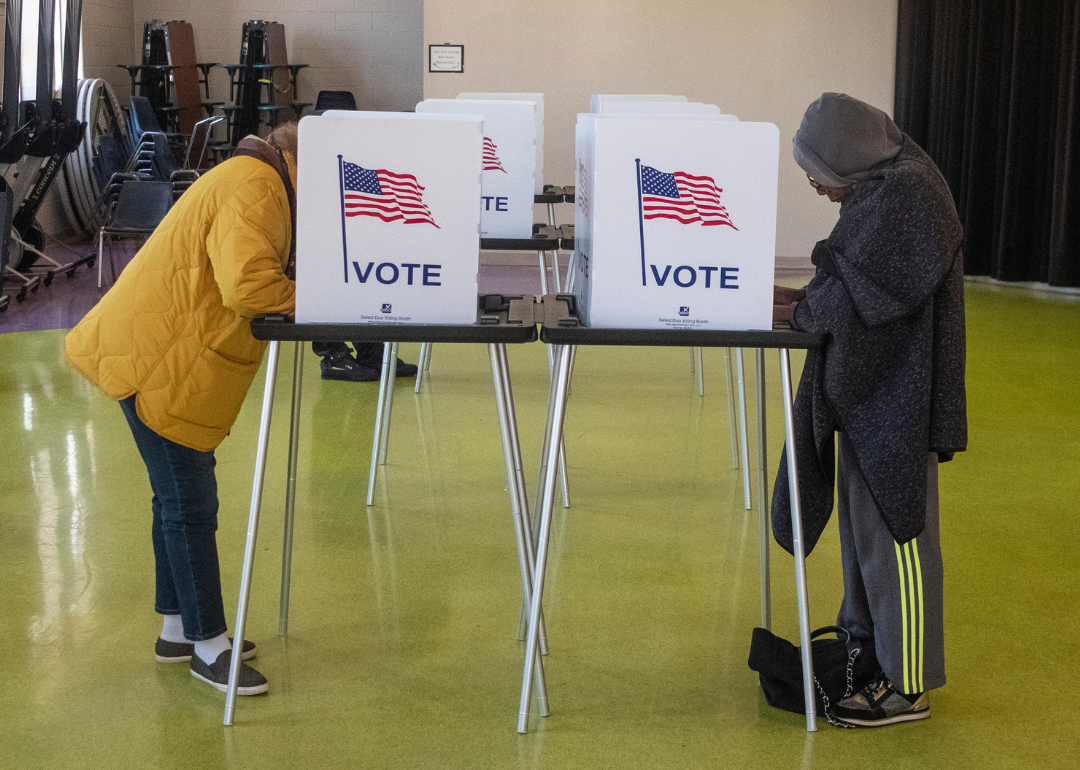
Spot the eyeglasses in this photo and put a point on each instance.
(814, 183)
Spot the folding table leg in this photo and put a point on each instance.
(543, 272)
(253, 526)
(523, 495)
(424, 348)
(290, 491)
(383, 385)
(797, 543)
(763, 496)
(389, 403)
(700, 371)
(556, 414)
(555, 273)
(502, 399)
(731, 409)
(742, 429)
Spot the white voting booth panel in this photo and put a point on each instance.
(675, 222)
(387, 218)
(599, 99)
(506, 209)
(662, 108)
(538, 179)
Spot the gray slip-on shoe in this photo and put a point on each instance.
(217, 675)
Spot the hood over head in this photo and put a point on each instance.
(842, 138)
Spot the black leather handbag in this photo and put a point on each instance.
(842, 666)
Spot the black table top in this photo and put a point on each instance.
(504, 319)
(513, 319)
(704, 338)
(562, 326)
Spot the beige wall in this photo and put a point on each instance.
(106, 40)
(763, 61)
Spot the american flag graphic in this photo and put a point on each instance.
(683, 197)
(491, 159)
(390, 197)
(582, 193)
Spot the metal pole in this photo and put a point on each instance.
(731, 409)
(555, 415)
(378, 421)
(700, 371)
(763, 496)
(543, 272)
(253, 529)
(520, 530)
(523, 495)
(424, 346)
(742, 430)
(389, 405)
(797, 545)
(290, 491)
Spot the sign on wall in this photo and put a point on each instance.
(509, 161)
(675, 222)
(387, 218)
(446, 58)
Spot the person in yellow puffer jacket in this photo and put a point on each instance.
(171, 341)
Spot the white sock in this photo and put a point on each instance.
(209, 650)
(172, 629)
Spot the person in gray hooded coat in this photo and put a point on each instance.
(888, 290)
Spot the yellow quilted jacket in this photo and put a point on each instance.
(175, 329)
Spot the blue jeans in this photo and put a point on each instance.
(185, 509)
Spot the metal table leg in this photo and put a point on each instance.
(523, 496)
(556, 414)
(253, 527)
(797, 543)
(290, 491)
(383, 385)
(700, 371)
(763, 496)
(742, 429)
(521, 530)
(389, 403)
(425, 348)
(731, 409)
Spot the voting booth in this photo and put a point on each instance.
(675, 222)
(538, 99)
(598, 100)
(387, 218)
(660, 108)
(509, 161)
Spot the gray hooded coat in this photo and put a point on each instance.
(889, 293)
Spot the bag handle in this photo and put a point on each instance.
(838, 630)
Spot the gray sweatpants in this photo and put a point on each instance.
(892, 592)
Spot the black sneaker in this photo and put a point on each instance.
(348, 369)
(181, 652)
(217, 675)
(403, 369)
(879, 704)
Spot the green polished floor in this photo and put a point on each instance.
(402, 649)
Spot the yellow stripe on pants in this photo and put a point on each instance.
(918, 576)
(903, 615)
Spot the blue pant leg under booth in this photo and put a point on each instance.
(185, 509)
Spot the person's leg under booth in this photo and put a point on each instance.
(187, 576)
(185, 510)
(892, 591)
